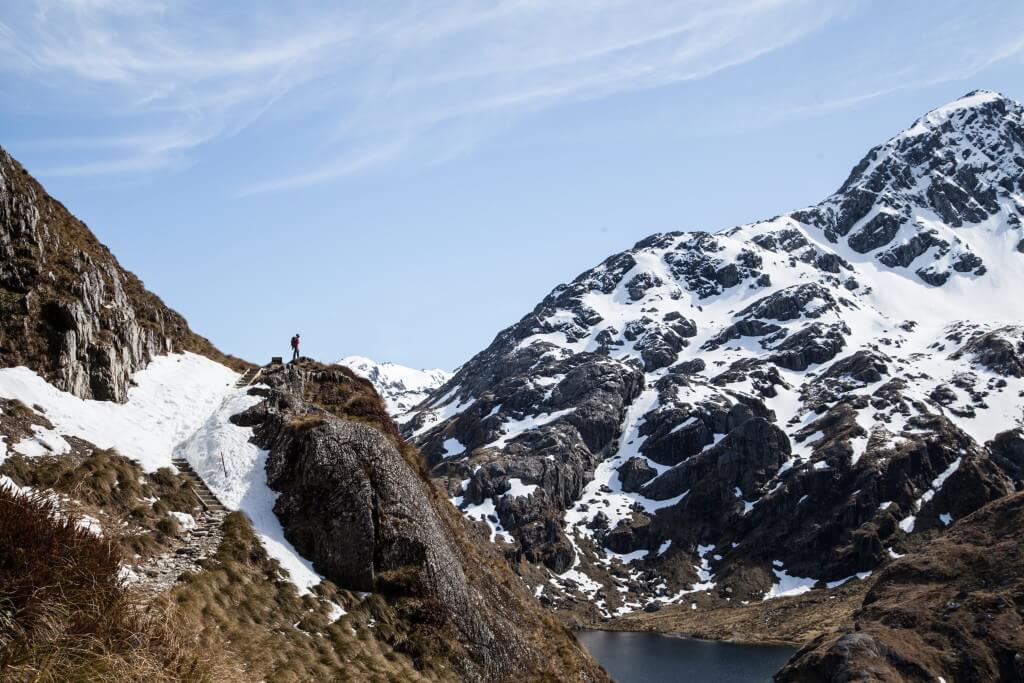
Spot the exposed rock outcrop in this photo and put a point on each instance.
(362, 510)
(709, 415)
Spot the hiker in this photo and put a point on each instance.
(295, 347)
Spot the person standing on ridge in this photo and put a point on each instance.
(295, 347)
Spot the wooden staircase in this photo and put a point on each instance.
(250, 376)
(207, 497)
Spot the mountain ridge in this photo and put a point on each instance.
(98, 413)
(648, 434)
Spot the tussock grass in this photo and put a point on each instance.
(116, 489)
(65, 614)
(304, 422)
(242, 598)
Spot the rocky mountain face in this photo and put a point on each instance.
(719, 418)
(401, 387)
(355, 500)
(67, 308)
(953, 611)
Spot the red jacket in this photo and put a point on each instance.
(295, 342)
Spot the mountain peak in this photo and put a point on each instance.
(960, 164)
(962, 112)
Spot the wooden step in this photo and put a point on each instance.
(207, 498)
(249, 377)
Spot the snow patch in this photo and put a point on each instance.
(235, 470)
(172, 396)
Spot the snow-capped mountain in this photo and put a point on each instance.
(401, 387)
(748, 413)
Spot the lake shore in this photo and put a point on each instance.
(788, 621)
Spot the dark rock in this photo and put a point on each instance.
(689, 367)
(1007, 451)
(68, 310)
(966, 263)
(680, 324)
(747, 327)
(728, 275)
(876, 233)
(866, 367)
(1000, 350)
(746, 458)
(904, 254)
(831, 263)
(349, 501)
(640, 283)
(790, 303)
(630, 534)
(672, 443)
(815, 343)
(936, 278)
(634, 473)
(905, 633)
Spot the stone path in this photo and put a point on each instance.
(201, 542)
(163, 571)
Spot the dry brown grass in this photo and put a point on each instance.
(65, 614)
(52, 274)
(241, 598)
(115, 489)
(406, 619)
(304, 422)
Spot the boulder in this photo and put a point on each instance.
(634, 473)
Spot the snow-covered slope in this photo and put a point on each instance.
(168, 401)
(401, 387)
(180, 405)
(710, 416)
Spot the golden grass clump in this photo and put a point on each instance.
(65, 614)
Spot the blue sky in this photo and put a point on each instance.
(402, 180)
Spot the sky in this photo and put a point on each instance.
(402, 180)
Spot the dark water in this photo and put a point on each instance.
(654, 658)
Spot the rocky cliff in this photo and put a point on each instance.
(715, 418)
(952, 611)
(67, 308)
(355, 500)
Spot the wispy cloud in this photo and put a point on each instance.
(356, 88)
(952, 52)
(181, 75)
